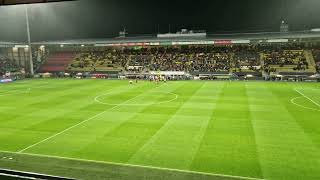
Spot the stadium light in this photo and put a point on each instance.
(82, 45)
(15, 2)
(61, 45)
(29, 40)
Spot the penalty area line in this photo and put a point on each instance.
(307, 97)
(136, 166)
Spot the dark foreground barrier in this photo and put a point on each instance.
(11, 174)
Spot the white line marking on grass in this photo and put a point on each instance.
(8, 92)
(86, 120)
(138, 166)
(293, 102)
(307, 97)
(14, 92)
(16, 176)
(96, 99)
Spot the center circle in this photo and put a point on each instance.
(138, 98)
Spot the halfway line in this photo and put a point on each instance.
(99, 114)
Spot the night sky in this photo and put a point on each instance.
(105, 18)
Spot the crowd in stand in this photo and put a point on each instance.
(157, 59)
(316, 55)
(7, 65)
(38, 58)
(283, 58)
(202, 58)
(138, 59)
(246, 58)
(111, 59)
(194, 59)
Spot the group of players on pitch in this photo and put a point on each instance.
(155, 79)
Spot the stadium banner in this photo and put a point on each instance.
(192, 42)
(5, 80)
(154, 44)
(240, 41)
(222, 42)
(174, 35)
(182, 43)
(278, 40)
(145, 44)
(21, 46)
(127, 44)
(6, 46)
(166, 43)
(103, 45)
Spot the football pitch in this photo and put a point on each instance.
(173, 130)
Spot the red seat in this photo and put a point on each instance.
(57, 62)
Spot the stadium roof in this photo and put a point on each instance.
(210, 37)
(9, 43)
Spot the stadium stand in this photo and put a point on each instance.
(205, 61)
(139, 59)
(104, 61)
(197, 58)
(246, 59)
(39, 57)
(240, 60)
(7, 65)
(316, 56)
(170, 59)
(211, 60)
(57, 62)
(279, 60)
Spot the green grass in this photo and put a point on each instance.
(247, 129)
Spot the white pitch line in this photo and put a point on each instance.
(84, 121)
(301, 106)
(17, 176)
(16, 92)
(139, 166)
(307, 97)
(96, 99)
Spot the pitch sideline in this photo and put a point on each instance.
(135, 165)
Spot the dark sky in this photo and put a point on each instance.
(105, 18)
